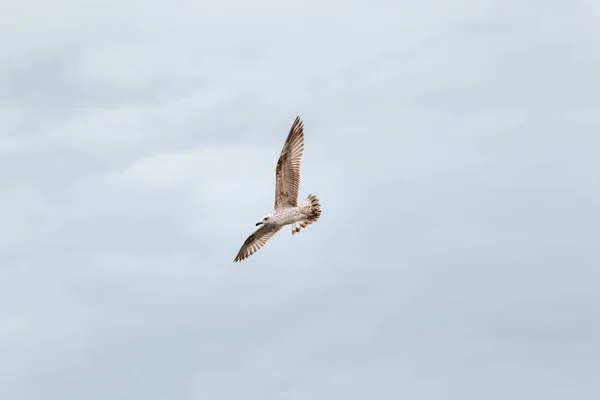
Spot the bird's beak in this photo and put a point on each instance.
(258, 223)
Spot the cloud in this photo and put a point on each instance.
(452, 147)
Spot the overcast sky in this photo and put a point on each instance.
(454, 147)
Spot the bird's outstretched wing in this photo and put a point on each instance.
(256, 240)
(287, 173)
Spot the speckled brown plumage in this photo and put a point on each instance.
(286, 210)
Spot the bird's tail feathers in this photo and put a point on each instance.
(311, 208)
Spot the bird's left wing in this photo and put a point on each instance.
(256, 240)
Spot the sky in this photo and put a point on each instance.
(453, 147)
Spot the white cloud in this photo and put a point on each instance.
(452, 146)
(216, 174)
(23, 209)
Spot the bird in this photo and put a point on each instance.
(286, 210)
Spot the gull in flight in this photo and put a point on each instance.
(286, 210)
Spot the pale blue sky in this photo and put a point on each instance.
(454, 148)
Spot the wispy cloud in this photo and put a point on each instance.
(453, 146)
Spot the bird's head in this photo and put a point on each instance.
(265, 220)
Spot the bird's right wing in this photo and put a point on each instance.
(256, 240)
(287, 173)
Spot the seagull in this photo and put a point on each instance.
(287, 184)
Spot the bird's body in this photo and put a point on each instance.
(286, 210)
(286, 216)
(290, 215)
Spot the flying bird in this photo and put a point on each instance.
(286, 210)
